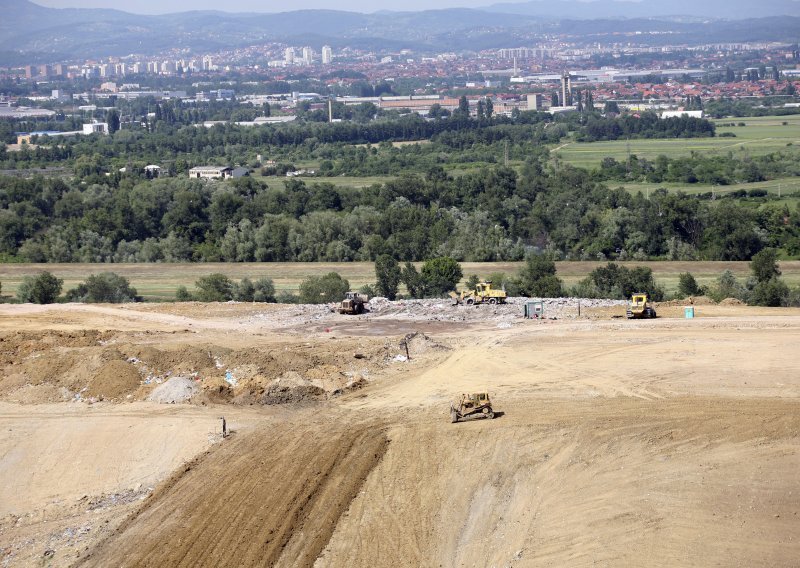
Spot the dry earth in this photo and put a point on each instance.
(617, 443)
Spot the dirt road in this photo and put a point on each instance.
(667, 443)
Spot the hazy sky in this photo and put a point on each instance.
(167, 6)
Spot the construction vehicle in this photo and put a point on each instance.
(483, 293)
(639, 307)
(471, 405)
(353, 303)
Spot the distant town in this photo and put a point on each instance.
(556, 77)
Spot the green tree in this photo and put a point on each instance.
(182, 294)
(244, 291)
(773, 293)
(687, 285)
(215, 287)
(113, 121)
(463, 105)
(322, 289)
(43, 288)
(440, 275)
(727, 286)
(413, 281)
(388, 275)
(537, 278)
(479, 111)
(764, 265)
(611, 106)
(106, 287)
(620, 282)
(264, 290)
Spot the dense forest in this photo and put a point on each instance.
(494, 214)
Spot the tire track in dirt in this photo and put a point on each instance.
(269, 498)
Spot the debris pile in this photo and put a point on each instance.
(175, 390)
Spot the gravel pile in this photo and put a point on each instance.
(176, 389)
(444, 310)
(428, 310)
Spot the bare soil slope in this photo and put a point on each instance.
(666, 442)
(272, 497)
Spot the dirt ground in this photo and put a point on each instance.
(667, 442)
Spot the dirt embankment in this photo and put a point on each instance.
(269, 498)
(59, 366)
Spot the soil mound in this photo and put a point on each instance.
(419, 343)
(291, 388)
(731, 302)
(114, 380)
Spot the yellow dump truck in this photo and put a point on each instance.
(483, 293)
(640, 308)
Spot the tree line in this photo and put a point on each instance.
(493, 214)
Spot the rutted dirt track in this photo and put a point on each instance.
(270, 497)
(650, 443)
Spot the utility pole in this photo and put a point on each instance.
(505, 152)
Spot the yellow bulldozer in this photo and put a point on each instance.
(483, 293)
(640, 308)
(473, 405)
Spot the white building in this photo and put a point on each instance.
(210, 172)
(327, 55)
(308, 56)
(288, 56)
(680, 113)
(95, 127)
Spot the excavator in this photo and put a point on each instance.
(483, 293)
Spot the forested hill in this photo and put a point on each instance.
(728, 9)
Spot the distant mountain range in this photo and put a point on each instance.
(31, 33)
(687, 9)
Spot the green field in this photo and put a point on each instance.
(760, 135)
(786, 187)
(159, 281)
(274, 182)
